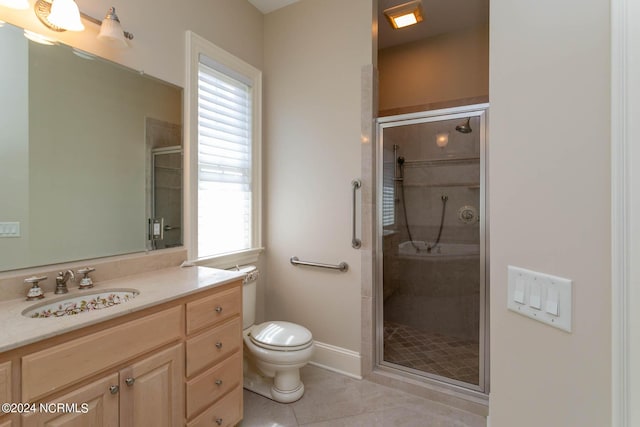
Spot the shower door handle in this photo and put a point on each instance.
(355, 242)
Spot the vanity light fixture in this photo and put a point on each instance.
(63, 15)
(112, 31)
(15, 4)
(404, 14)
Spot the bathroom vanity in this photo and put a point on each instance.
(170, 356)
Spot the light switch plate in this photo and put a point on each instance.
(550, 294)
(9, 229)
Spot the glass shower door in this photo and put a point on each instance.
(432, 295)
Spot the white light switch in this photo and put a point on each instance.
(540, 296)
(9, 229)
(518, 295)
(551, 305)
(535, 298)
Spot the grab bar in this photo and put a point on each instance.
(343, 266)
(355, 242)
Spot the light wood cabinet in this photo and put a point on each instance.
(214, 359)
(213, 309)
(151, 391)
(101, 407)
(147, 393)
(178, 363)
(49, 370)
(226, 412)
(5, 382)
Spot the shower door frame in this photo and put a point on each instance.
(477, 110)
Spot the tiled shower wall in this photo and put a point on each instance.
(439, 294)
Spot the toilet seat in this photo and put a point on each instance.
(281, 336)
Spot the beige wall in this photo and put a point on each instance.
(159, 29)
(312, 152)
(439, 69)
(549, 206)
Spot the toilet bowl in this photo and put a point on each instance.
(274, 351)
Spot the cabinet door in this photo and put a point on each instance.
(6, 392)
(152, 390)
(101, 408)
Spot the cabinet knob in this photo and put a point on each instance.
(129, 381)
(218, 309)
(219, 345)
(219, 421)
(114, 389)
(218, 382)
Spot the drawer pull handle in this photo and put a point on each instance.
(218, 382)
(219, 421)
(129, 381)
(114, 389)
(218, 309)
(219, 345)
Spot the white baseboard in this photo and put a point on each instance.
(337, 359)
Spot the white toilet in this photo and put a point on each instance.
(274, 351)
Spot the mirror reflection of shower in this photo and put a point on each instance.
(167, 195)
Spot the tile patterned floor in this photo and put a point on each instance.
(334, 400)
(430, 352)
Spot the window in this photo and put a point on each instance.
(225, 152)
(388, 190)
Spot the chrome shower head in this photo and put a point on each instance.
(465, 127)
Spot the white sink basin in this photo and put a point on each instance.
(81, 303)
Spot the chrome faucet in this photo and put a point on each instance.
(61, 281)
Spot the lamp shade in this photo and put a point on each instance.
(15, 4)
(65, 14)
(111, 30)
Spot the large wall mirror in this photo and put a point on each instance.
(90, 151)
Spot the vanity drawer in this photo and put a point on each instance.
(5, 383)
(212, 384)
(213, 309)
(48, 370)
(212, 346)
(227, 412)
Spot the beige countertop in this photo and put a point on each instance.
(155, 287)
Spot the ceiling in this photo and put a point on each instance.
(266, 6)
(440, 17)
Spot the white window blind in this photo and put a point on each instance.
(388, 191)
(224, 162)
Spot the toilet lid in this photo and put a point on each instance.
(281, 336)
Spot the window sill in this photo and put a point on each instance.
(224, 261)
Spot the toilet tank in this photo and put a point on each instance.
(249, 289)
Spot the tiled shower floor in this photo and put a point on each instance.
(431, 352)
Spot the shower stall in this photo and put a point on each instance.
(431, 286)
